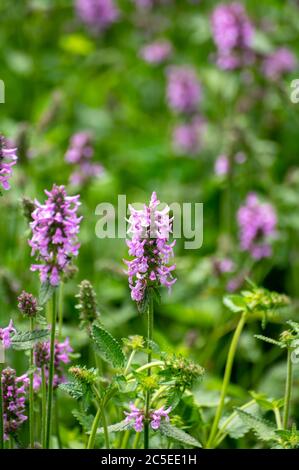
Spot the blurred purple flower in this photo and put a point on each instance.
(14, 394)
(183, 89)
(42, 359)
(5, 334)
(55, 229)
(232, 32)
(257, 225)
(222, 165)
(156, 52)
(98, 15)
(279, 62)
(223, 266)
(186, 137)
(8, 159)
(150, 229)
(79, 154)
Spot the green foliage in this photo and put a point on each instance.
(262, 428)
(118, 427)
(45, 293)
(108, 347)
(178, 435)
(27, 339)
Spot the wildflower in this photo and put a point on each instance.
(150, 230)
(6, 333)
(187, 137)
(98, 15)
(27, 304)
(156, 52)
(14, 395)
(222, 165)
(54, 234)
(79, 154)
(87, 305)
(232, 32)
(257, 224)
(223, 266)
(42, 359)
(157, 415)
(278, 63)
(8, 159)
(183, 90)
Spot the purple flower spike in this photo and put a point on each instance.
(98, 15)
(156, 52)
(55, 230)
(183, 90)
(280, 62)
(257, 225)
(157, 415)
(187, 137)
(150, 229)
(14, 394)
(8, 159)
(232, 32)
(5, 334)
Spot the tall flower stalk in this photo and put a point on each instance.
(149, 246)
(1, 409)
(55, 228)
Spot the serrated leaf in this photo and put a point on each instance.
(73, 388)
(270, 340)
(107, 346)
(237, 428)
(118, 427)
(45, 293)
(294, 325)
(173, 398)
(83, 419)
(178, 435)
(27, 339)
(235, 303)
(262, 428)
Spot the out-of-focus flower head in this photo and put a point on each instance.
(156, 52)
(257, 226)
(62, 352)
(183, 89)
(222, 165)
(278, 63)
(27, 304)
(186, 138)
(232, 33)
(98, 15)
(8, 159)
(6, 333)
(55, 229)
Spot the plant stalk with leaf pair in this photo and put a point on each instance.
(51, 374)
(150, 328)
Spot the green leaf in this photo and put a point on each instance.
(262, 428)
(118, 427)
(236, 428)
(235, 303)
(73, 388)
(83, 419)
(270, 340)
(178, 435)
(107, 346)
(27, 339)
(45, 293)
(143, 305)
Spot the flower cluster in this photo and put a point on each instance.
(187, 136)
(42, 360)
(8, 159)
(98, 15)
(279, 62)
(79, 154)
(55, 228)
(257, 225)
(156, 52)
(27, 304)
(14, 395)
(87, 305)
(136, 417)
(5, 335)
(184, 371)
(183, 90)
(150, 229)
(232, 32)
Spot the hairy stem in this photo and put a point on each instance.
(288, 390)
(60, 310)
(150, 328)
(31, 393)
(44, 406)
(51, 374)
(226, 378)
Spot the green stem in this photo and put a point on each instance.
(221, 433)
(31, 394)
(136, 440)
(288, 390)
(95, 424)
(104, 421)
(150, 328)
(1, 408)
(51, 374)
(226, 378)
(129, 362)
(44, 406)
(60, 310)
(277, 418)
